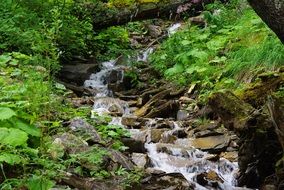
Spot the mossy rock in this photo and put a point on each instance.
(256, 93)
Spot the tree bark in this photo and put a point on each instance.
(272, 13)
(170, 9)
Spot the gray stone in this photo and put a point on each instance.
(140, 160)
(182, 115)
(84, 129)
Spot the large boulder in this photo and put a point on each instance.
(78, 73)
(257, 118)
(85, 130)
(212, 144)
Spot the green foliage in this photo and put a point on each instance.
(233, 47)
(6, 113)
(35, 36)
(112, 42)
(121, 3)
(39, 182)
(112, 134)
(13, 137)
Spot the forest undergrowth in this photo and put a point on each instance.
(227, 51)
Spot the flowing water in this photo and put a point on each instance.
(179, 156)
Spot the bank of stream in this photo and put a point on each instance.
(171, 145)
(177, 142)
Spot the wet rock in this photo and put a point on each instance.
(234, 112)
(85, 183)
(182, 115)
(69, 143)
(212, 144)
(159, 123)
(121, 159)
(232, 146)
(171, 181)
(157, 134)
(206, 133)
(213, 157)
(85, 130)
(259, 144)
(180, 133)
(173, 150)
(133, 121)
(153, 171)
(140, 160)
(77, 73)
(210, 178)
(115, 76)
(211, 126)
(106, 105)
(134, 145)
(231, 156)
(168, 138)
(82, 101)
(166, 109)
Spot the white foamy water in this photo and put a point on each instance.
(99, 80)
(190, 163)
(179, 156)
(173, 29)
(145, 55)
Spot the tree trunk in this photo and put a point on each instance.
(272, 13)
(170, 9)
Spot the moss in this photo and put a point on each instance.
(256, 93)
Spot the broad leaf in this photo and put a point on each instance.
(38, 182)
(11, 159)
(202, 55)
(4, 59)
(177, 68)
(13, 137)
(30, 129)
(6, 113)
(197, 69)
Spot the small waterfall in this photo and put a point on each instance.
(99, 81)
(179, 156)
(183, 158)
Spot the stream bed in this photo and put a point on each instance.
(167, 154)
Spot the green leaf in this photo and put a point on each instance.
(39, 183)
(6, 113)
(13, 137)
(216, 43)
(30, 129)
(177, 68)
(197, 69)
(185, 42)
(11, 159)
(14, 62)
(202, 55)
(4, 59)
(112, 134)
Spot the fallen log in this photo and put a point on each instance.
(170, 9)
